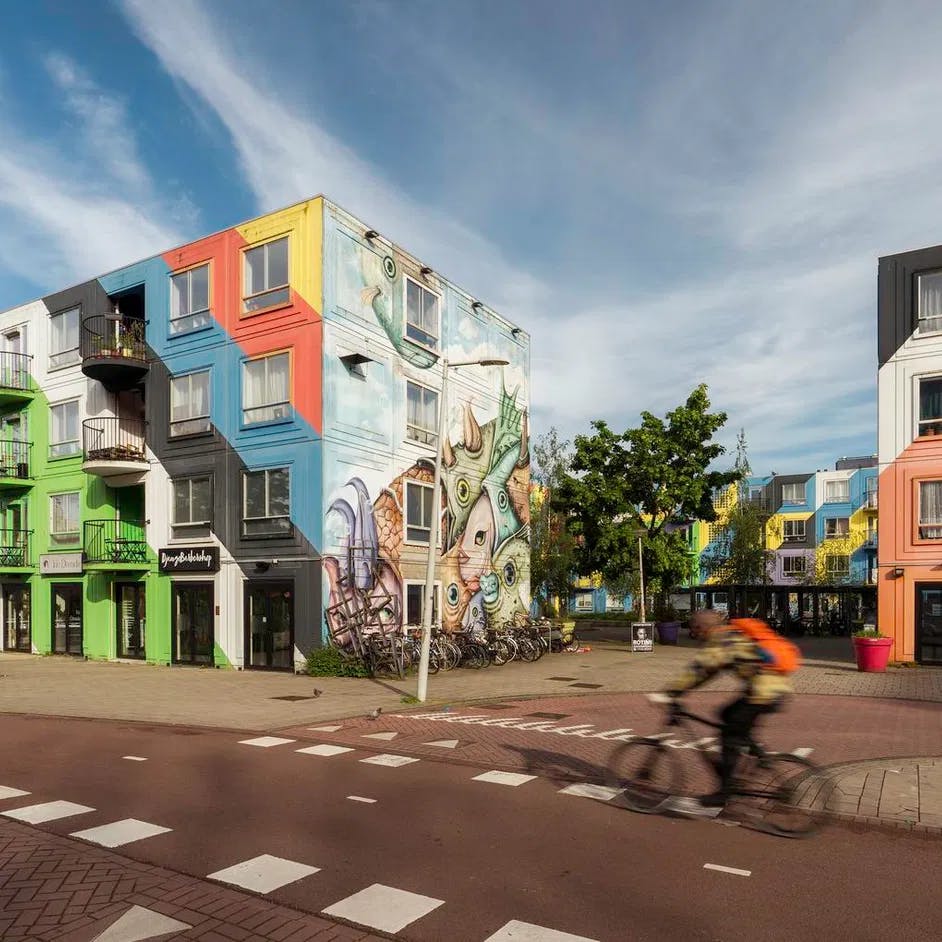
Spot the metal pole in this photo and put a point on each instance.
(422, 689)
(641, 578)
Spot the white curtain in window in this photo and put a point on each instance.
(199, 394)
(65, 422)
(930, 505)
(930, 295)
(277, 379)
(253, 384)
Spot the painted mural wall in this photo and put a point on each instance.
(378, 466)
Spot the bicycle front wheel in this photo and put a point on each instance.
(646, 774)
(779, 790)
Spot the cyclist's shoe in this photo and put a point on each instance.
(715, 800)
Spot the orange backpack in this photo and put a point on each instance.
(778, 653)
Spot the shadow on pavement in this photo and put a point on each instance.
(559, 767)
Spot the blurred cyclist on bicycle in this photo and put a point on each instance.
(761, 658)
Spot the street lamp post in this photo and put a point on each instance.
(422, 688)
(640, 534)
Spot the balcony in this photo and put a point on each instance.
(870, 501)
(14, 463)
(14, 549)
(114, 351)
(16, 386)
(115, 449)
(112, 544)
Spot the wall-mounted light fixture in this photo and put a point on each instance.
(370, 234)
(475, 305)
(899, 571)
(262, 566)
(515, 331)
(425, 270)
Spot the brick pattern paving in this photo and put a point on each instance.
(53, 888)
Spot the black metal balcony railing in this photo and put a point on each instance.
(113, 439)
(106, 335)
(115, 541)
(14, 458)
(14, 370)
(14, 547)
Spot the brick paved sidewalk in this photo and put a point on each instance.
(61, 890)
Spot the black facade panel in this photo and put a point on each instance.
(896, 308)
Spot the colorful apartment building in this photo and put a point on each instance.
(909, 341)
(205, 453)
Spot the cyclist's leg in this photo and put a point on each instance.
(738, 718)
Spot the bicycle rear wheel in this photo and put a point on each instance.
(646, 773)
(778, 795)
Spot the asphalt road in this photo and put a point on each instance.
(491, 852)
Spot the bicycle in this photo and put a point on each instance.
(650, 776)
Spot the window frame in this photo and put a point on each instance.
(437, 346)
(916, 304)
(831, 571)
(286, 403)
(190, 527)
(843, 497)
(804, 487)
(406, 525)
(269, 289)
(54, 367)
(584, 596)
(273, 534)
(431, 435)
(77, 402)
(836, 536)
(436, 602)
(935, 424)
(793, 538)
(790, 559)
(918, 537)
(57, 537)
(171, 422)
(207, 312)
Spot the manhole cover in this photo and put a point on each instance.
(292, 698)
(560, 678)
(590, 686)
(550, 716)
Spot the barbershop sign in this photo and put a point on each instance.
(189, 559)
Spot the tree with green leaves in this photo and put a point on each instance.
(648, 479)
(552, 545)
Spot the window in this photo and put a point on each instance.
(421, 414)
(793, 493)
(930, 510)
(189, 404)
(64, 429)
(418, 512)
(584, 602)
(266, 504)
(930, 406)
(422, 315)
(265, 282)
(192, 507)
(64, 518)
(838, 565)
(189, 300)
(836, 491)
(835, 527)
(64, 339)
(265, 396)
(794, 565)
(793, 531)
(415, 599)
(929, 302)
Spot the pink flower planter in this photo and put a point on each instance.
(872, 654)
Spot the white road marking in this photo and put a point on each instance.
(7, 792)
(266, 742)
(386, 759)
(138, 924)
(383, 907)
(134, 758)
(516, 931)
(119, 833)
(325, 729)
(367, 801)
(47, 811)
(586, 790)
(802, 752)
(732, 870)
(443, 743)
(263, 874)
(324, 749)
(386, 736)
(659, 698)
(503, 778)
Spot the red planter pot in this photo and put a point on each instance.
(872, 654)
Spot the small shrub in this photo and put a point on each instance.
(408, 698)
(329, 662)
(869, 633)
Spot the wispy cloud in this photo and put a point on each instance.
(70, 214)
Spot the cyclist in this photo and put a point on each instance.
(761, 658)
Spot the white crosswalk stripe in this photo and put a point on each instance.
(516, 931)
(265, 742)
(383, 907)
(119, 833)
(504, 778)
(391, 760)
(47, 811)
(263, 874)
(324, 749)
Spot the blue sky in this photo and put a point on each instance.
(662, 194)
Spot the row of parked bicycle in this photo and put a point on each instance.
(395, 654)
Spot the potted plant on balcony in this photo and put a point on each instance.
(872, 650)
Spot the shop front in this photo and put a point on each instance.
(192, 602)
(16, 616)
(269, 624)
